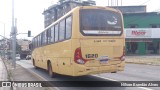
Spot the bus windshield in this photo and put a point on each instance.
(100, 22)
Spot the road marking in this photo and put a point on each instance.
(105, 78)
(144, 88)
(40, 77)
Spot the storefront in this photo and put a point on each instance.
(142, 41)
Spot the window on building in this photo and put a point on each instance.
(62, 30)
(155, 26)
(152, 47)
(68, 27)
(133, 26)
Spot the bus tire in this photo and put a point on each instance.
(50, 71)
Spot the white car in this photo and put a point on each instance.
(18, 57)
(28, 57)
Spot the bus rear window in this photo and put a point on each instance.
(100, 22)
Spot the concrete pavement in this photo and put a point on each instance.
(147, 60)
(17, 74)
(3, 74)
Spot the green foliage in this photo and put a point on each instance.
(18, 48)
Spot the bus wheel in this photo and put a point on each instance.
(50, 72)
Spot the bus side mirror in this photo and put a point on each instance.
(29, 33)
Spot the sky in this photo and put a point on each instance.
(29, 14)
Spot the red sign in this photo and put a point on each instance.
(137, 33)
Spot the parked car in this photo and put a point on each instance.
(28, 57)
(17, 57)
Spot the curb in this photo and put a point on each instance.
(143, 63)
(41, 78)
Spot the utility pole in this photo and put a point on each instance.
(13, 34)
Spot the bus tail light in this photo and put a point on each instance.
(123, 55)
(78, 56)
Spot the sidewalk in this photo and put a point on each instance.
(149, 60)
(3, 72)
(20, 74)
(3, 75)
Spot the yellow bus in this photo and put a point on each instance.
(86, 40)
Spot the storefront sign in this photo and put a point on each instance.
(138, 33)
(142, 32)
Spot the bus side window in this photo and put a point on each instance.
(52, 34)
(62, 30)
(39, 40)
(56, 32)
(68, 27)
(33, 44)
(48, 36)
(43, 38)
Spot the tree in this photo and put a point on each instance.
(18, 48)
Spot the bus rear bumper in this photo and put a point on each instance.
(83, 70)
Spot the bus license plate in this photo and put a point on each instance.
(104, 61)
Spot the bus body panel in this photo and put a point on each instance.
(80, 70)
(95, 48)
(58, 54)
(94, 66)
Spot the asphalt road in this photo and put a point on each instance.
(133, 72)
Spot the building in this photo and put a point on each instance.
(131, 9)
(23, 48)
(142, 33)
(24, 44)
(141, 30)
(56, 11)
